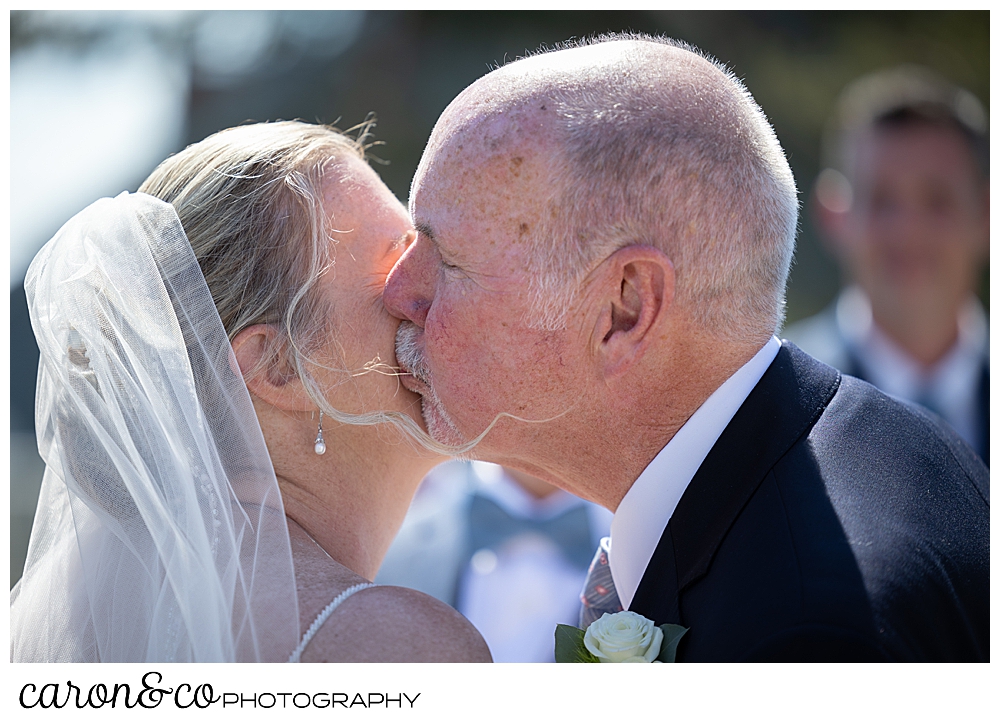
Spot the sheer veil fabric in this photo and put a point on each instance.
(160, 534)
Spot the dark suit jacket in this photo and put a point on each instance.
(855, 368)
(829, 522)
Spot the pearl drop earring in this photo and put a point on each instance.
(320, 444)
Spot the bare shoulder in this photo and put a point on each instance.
(386, 624)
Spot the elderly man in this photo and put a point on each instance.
(905, 205)
(604, 235)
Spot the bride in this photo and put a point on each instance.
(216, 377)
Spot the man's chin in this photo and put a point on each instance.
(439, 425)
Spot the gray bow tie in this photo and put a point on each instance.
(490, 525)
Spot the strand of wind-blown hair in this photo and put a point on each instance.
(405, 423)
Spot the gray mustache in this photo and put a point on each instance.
(408, 354)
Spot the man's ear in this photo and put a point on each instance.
(638, 284)
(267, 371)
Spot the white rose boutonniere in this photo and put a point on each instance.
(623, 637)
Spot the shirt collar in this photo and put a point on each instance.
(646, 508)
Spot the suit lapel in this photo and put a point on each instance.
(785, 403)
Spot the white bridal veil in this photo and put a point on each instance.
(160, 534)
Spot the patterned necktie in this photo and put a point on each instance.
(599, 595)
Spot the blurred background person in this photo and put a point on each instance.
(507, 550)
(905, 207)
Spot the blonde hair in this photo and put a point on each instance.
(250, 201)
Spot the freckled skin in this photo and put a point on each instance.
(486, 186)
(475, 337)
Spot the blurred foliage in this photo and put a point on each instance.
(407, 66)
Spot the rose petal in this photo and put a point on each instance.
(622, 636)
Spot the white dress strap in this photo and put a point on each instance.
(321, 618)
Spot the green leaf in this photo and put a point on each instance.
(570, 647)
(672, 635)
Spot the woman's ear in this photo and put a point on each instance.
(638, 291)
(266, 370)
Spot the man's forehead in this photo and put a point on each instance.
(917, 145)
(482, 194)
(914, 134)
(497, 152)
(484, 137)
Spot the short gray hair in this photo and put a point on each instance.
(676, 154)
(250, 201)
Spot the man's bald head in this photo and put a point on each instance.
(641, 141)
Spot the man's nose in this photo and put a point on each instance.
(409, 288)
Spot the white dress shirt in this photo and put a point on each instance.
(514, 594)
(517, 594)
(646, 508)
